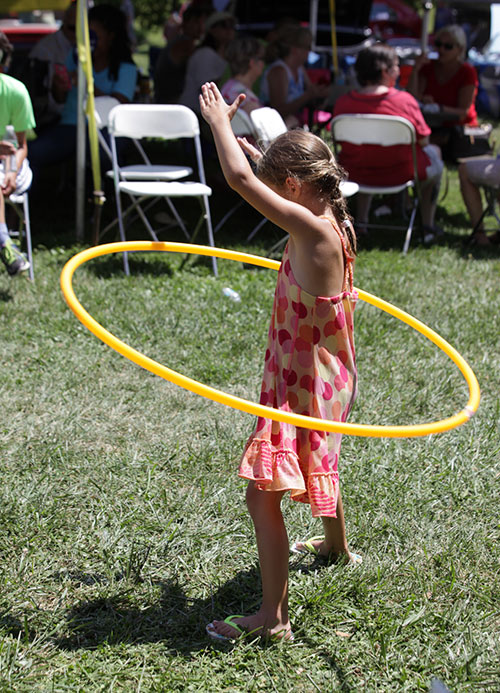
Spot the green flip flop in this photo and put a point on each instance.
(210, 628)
(306, 546)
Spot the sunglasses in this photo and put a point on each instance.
(446, 46)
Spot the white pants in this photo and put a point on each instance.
(23, 178)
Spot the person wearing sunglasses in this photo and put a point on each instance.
(447, 81)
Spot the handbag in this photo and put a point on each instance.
(467, 141)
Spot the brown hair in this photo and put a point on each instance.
(371, 62)
(239, 53)
(6, 49)
(301, 155)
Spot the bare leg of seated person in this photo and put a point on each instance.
(472, 197)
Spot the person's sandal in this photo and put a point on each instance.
(307, 547)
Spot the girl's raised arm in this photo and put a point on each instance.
(290, 216)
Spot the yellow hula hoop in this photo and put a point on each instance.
(252, 407)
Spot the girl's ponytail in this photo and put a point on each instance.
(304, 156)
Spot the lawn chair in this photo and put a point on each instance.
(263, 125)
(103, 106)
(383, 131)
(138, 121)
(267, 125)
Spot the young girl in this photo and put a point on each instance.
(310, 366)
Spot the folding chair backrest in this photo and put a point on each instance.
(153, 120)
(103, 105)
(242, 124)
(363, 128)
(268, 124)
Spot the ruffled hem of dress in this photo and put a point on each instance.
(279, 470)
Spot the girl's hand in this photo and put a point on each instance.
(6, 149)
(249, 149)
(212, 105)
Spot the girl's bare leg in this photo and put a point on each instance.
(272, 543)
(335, 542)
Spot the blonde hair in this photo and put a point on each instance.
(301, 155)
(457, 34)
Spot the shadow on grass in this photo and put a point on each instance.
(176, 619)
(112, 265)
(5, 296)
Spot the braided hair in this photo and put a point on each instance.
(301, 155)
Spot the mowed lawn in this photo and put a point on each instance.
(123, 528)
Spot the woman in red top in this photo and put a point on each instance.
(448, 82)
(377, 71)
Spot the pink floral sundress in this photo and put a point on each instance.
(309, 369)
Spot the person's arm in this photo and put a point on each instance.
(416, 82)
(288, 215)
(124, 87)
(277, 80)
(465, 99)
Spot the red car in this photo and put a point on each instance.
(394, 18)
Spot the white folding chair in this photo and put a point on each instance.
(162, 121)
(20, 204)
(241, 126)
(103, 105)
(268, 124)
(384, 131)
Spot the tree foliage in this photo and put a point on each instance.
(153, 13)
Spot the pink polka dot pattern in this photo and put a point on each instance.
(309, 369)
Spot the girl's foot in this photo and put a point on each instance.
(235, 627)
(317, 547)
(480, 239)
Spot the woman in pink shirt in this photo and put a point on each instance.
(245, 56)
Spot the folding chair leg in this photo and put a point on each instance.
(256, 229)
(178, 218)
(208, 220)
(27, 231)
(410, 228)
(227, 215)
(122, 233)
(145, 221)
(278, 245)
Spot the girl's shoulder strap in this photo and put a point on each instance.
(348, 258)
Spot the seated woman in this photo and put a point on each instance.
(285, 85)
(208, 62)
(377, 70)
(447, 82)
(245, 56)
(473, 175)
(114, 75)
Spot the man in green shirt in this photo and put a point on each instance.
(16, 116)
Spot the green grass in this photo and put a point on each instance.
(123, 528)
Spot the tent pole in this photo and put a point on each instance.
(81, 127)
(313, 22)
(424, 36)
